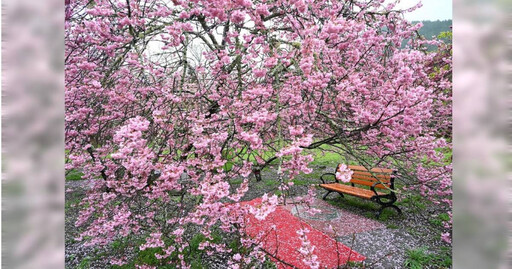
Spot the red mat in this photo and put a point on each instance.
(284, 242)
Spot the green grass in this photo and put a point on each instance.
(236, 181)
(270, 182)
(308, 179)
(117, 244)
(420, 258)
(439, 220)
(387, 213)
(417, 258)
(447, 154)
(352, 264)
(327, 158)
(392, 226)
(269, 264)
(371, 208)
(192, 253)
(75, 201)
(350, 201)
(322, 157)
(147, 256)
(415, 203)
(304, 182)
(85, 263)
(74, 175)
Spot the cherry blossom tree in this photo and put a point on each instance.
(167, 101)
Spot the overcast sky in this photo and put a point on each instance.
(431, 10)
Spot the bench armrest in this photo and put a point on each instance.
(373, 187)
(328, 174)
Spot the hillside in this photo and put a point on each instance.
(432, 29)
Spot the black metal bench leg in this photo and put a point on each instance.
(341, 194)
(325, 196)
(380, 211)
(397, 209)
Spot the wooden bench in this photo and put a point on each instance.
(382, 179)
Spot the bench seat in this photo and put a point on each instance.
(355, 191)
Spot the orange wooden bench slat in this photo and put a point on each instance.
(376, 169)
(367, 183)
(363, 177)
(381, 176)
(363, 193)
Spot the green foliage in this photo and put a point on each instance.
(432, 29)
(236, 181)
(438, 221)
(448, 35)
(73, 199)
(74, 175)
(147, 256)
(117, 244)
(196, 240)
(417, 258)
(387, 213)
(327, 158)
(304, 182)
(370, 208)
(352, 264)
(444, 217)
(445, 257)
(68, 205)
(323, 156)
(308, 179)
(448, 153)
(350, 201)
(269, 264)
(420, 258)
(85, 263)
(392, 226)
(228, 166)
(271, 182)
(192, 253)
(415, 203)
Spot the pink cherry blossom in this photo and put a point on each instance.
(267, 206)
(343, 173)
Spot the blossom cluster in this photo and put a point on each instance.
(343, 173)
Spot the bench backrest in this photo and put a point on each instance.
(362, 176)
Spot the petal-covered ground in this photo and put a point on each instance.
(333, 220)
(282, 241)
(384, 243)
